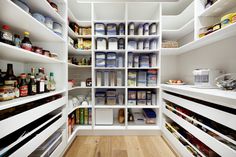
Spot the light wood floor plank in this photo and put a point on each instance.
(119, 146)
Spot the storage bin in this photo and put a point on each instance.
(146, 29)
(104, 116)
(153, 44)
(100, 98)
(111, 101)
(146, 45)
(121, 44)
(141, 102)
(140, 44)
(111, 93)
(101, 44)
(130, 59)
(120, 61)
(121, 29)
(100, 59)
(131, 28)
(100, 29)
(132, 45)
(112, 43)
(140, 29)
(111, 59)
(111, 29)
(153, 29)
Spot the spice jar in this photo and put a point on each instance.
(17, 40)
(37, 50)
(46, 53)
(6, 35)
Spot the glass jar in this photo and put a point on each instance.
(26, 43)
(6, 35)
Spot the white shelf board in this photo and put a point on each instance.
(24, 100)
(12, 53)
(109, 21)
(109, 36)
(144, 87)
(219, 7)
(144, 51)
(78, 87)
(109, 68)
(73, 35)
(73, 135)
(146, 106)
(143, 68)
(103, 87)
(109, 106)
(80, 106)
(70, 65)
(221, 97)
(111, 127)
(79, 22)
(73, 51)
(38, 31)
(45, 8)
(227, 32)
(178, 33)
(144, 21)
(143, 36)
(143, 127)
(117, 51)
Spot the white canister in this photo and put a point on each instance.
(140, 29)
(49, 22)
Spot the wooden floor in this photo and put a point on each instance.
(119, 146)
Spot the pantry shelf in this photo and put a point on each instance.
(109, 68)
(70, 65)
(80, 106)
(143, 87)
(109, 36)
(143, 68)
(109, 106)
(112, 127)
(143, 36)
(219, 7)
(73, 51)
(117, 51)
(39, 32)
(45, 8)
(13, 53)
(227, 32)
(73, 35)
(78, 87)
(144, 51)
(143, 127)
(146, 106)
(107, 87)
(24, 100)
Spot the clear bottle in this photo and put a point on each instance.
(40, 81)
(32, 90)
(52, 82)
(16, 90)
(26, 43)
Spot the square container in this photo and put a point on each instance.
(121, 29)
(104, 116)
(136, 61)
(146, 29)
(146, 45)
(153, 44)
(144, 61)
(100, 29)
(111, 59)
(151, 77)
(140, 29)
(130, 59)
(131, 28)
(142, 102)
(132, 45)
(100, 98)
(100, 59)
(101, 44)
(142, 78)
(111, 29)
(140, 45)
(119, 78)
(120, 61)
(112, 43)
(111, 92)
(111, 101)
(153, 29)
(132, 95)
(121, 44)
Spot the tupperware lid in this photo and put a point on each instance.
(112, 39)
(100, 39)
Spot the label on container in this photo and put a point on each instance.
(34, 89)
(7, 36)
(26, 46)
(41, 87)
(23, 90)
(10, 82)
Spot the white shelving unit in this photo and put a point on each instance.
(22, 60)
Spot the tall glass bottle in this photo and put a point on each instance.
(10, 79)
(52, 82)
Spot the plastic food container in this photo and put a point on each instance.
(22, 5)
(49, 22)
(101, 44)
(153, 29)
(111, 59)
(146, 45)
(217, 27)
(111, 100)
(153, 44)
(140, 44)
(146, 29)
(7, 93)
(112, 43)
(111, 92)
(100, 98)
(100, 58)
(131, 29)
(39, 17)
(57, 28)
(100, 29)
(121, 44)
(140, 29)
(132, 45)
(111, 29)
(121, 29)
